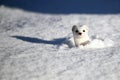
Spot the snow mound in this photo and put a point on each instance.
(95, 43)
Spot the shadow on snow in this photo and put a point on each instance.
(66, 6)
(57, 41)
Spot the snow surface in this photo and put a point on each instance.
(33, 47)
(95, 43)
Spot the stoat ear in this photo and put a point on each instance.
(74, 27)
(86, 27)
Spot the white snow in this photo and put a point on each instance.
(33, 46)
(95, 43)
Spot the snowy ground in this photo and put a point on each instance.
(32, 47)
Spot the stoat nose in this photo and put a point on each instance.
(80, 33)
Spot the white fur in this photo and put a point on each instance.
(79, 39)
(95, 41)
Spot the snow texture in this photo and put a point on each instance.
(36, 46)
(94, 43)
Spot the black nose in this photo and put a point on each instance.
(80, 33)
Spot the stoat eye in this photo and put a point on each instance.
(83, 30)
(76, 31)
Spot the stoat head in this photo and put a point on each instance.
(80, 31)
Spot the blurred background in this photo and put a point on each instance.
(66, 6)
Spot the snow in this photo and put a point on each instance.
(33, 46)
(95, 43)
